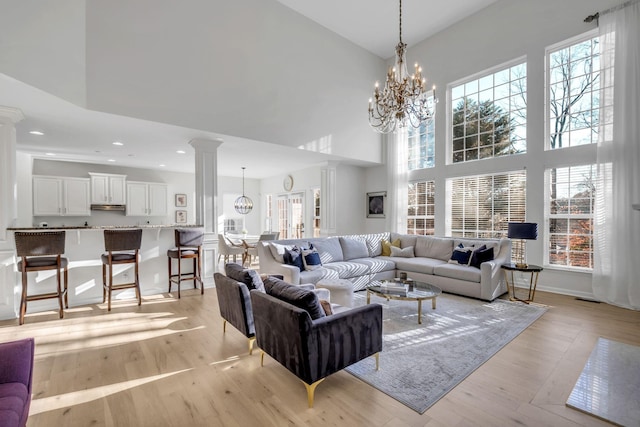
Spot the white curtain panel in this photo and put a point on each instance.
(616, 276)
(397, 180)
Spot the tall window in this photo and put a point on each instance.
(570, 211)
(268, 212)
(316, 212)
(421, 208)
(489, 115)
(573, 83)
(421, 146)
(481, 206)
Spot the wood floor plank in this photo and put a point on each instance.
(167, 363)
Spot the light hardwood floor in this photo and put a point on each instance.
(167, 363)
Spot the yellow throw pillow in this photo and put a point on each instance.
(386, 246)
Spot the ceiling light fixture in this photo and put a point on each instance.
(36, 132)
(111, 160)
(118, 143)
(181, 152)
(404, 101)
(243, 204)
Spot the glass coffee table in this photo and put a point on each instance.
(417, 291)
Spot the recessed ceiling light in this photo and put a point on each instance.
(50, 154)
(118, 143)
(36, 132)
(181, 152)
(111, 160)
(162, 165)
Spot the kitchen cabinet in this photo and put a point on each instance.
(61, 196)
(108, 189)
(146, 199)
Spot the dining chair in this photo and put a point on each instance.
(40, 251)
(122, 247)
(251, 249)
(227, 249)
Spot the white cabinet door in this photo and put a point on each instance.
(117, 190)
(137, 199)
(76, 196)
(157, 199)
(47, 196)
(99, 189)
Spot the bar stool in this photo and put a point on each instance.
(188, 246)
(41, 251)
(122, 247)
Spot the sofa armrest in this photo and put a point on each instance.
(491, 277)
(234, 302)
(17, 362)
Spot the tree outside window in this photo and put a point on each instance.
(421, 146)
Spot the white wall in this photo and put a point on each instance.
(229, 189)
(43, 44)
(248, 68)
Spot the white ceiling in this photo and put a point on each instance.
(76, 134)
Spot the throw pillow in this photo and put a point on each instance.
(295, 295)
(481, 255)
(251, 278)
(461, 255)
(293, 257)
(402, 253)
(386, 246)
(326, 306)
(311, 259)
(277, 251)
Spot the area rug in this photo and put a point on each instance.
(609, 385)
(419, 364)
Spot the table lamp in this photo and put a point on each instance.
(523, 231)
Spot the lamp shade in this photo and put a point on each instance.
(523, 230)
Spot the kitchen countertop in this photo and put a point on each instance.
(104, 227)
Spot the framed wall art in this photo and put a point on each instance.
(181, 217)
(376, 204)
(181, 200)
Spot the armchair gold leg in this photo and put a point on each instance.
(261, 358)
(224, 326)
(311, 389)
(377, 357)
(251, 341)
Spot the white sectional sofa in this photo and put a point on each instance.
(359, 259)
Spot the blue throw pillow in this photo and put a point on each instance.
(460, 256)
(293, 256)
(481, 255)
(311, 259)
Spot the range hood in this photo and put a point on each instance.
(108, 208)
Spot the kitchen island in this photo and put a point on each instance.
(83, 247)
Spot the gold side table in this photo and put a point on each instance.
(534, 270)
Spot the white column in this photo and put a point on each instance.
(8, 210)
(206, 167)
(328, 199)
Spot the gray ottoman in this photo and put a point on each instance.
(341, 290)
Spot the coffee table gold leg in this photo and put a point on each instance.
(368, 296)
(433, 303)
(420, 312)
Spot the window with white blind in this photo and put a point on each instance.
(421, 146)
(316, 212)
(483, 205)
(571, 194)
(489, 115)
(421, 208)
(573, 84)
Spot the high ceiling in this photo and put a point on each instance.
(74, 133)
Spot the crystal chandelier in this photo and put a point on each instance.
(243, 204)
(404, 100)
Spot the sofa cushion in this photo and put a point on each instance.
(13, 398)
(405, 239)
(277, 251)
(312, 276)
(460, 272)
(374, 243)
(294, 295)
(348, 269)
(329, 249)
(481, 255)
(377, 264)
(386, 247)
(402, 253)
(434, 247)
(293, 257)
(249, 277)
(417, 265)
(353, 247)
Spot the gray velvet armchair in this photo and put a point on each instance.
(314, 349)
